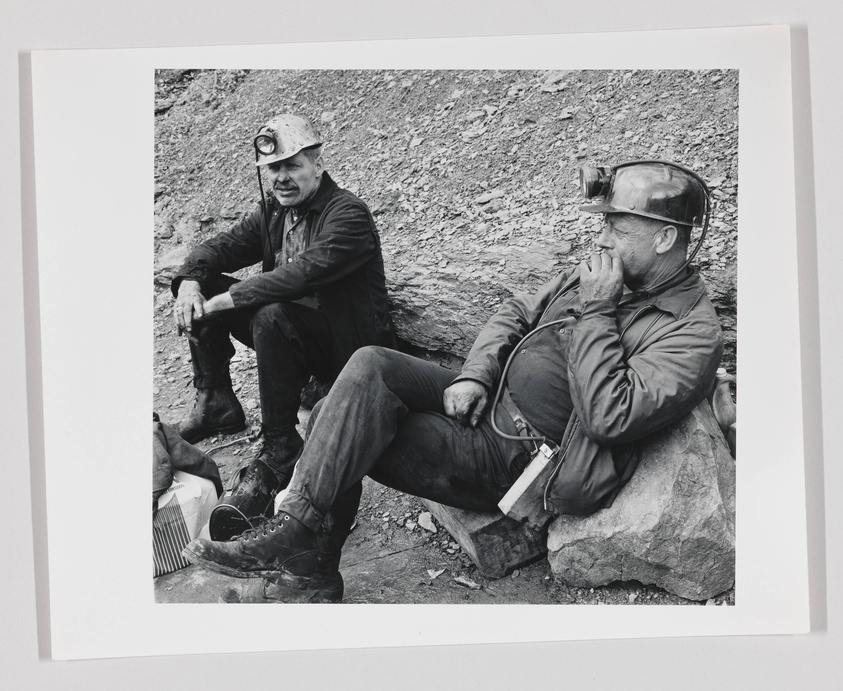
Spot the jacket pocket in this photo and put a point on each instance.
(586, 479)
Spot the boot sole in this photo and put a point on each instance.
(271, 593)
(204, 433)
(277, 592)
(288, 580)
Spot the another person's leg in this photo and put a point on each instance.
(216, 409)
(291, 343)
(431, 456)
(357, 423)
(361, 429)
(435, 457)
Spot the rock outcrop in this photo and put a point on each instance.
(495, 543)
(673, 525)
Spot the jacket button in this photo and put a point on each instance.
(562, 330)
(524, 351)
(289, 259)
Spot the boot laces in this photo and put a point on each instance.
(267, 451)
(267, 527)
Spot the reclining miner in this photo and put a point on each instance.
(600, 357)
(321, 295)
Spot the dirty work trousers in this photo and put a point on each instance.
(384, 417)
(291, 343)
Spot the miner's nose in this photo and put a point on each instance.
(605, 240)
(278, 172)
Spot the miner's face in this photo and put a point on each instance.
(295, 179)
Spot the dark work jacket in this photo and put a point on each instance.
(170, 453)
(341, 266)
(632, 370)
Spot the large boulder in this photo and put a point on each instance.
(673, 525)
(442, 307)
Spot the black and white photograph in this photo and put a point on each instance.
(447, 315)
(439, 337)
(445, 336)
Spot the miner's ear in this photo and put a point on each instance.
(320, 164)
(665, 238)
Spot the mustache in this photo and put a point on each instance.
(286, 188)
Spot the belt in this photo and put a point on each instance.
(521, 424)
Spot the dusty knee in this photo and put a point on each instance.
(367, 365)
(369, 360)
(270, 315)
(273, 326)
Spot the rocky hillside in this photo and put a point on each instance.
(472, 175)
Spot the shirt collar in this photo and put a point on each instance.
(679, 299)
(319, 200)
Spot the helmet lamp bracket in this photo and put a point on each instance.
(265, 143)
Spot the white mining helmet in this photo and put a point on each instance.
(283, 137)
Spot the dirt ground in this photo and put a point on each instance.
(391, 559)
(471, 178)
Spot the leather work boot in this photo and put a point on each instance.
(326, 583)
(251, 500)
(215, 411)
(282, 548)
(267, 591)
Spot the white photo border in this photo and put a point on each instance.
(94, 147)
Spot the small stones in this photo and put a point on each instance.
(488, 196)
(467, 583)
(426, 521)
(441, 142)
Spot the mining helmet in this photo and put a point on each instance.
(283, 137)
(655, 189)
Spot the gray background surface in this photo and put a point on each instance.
(768, 662)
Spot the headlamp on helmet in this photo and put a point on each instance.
(595, 180)
(283, 137)
(265, 143)
(654, 189)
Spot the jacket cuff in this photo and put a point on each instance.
(241, 295)
(176, 282)
(599, 308)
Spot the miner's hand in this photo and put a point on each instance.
(218, 303)
(190, 305)
(466, 401)
(603, 280)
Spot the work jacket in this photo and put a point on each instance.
(341, 266)
(170, 453)
(632, 369)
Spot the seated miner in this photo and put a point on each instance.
(320, 296)
(600, 357)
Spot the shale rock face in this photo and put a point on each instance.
(673, 525)
(472, 175)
